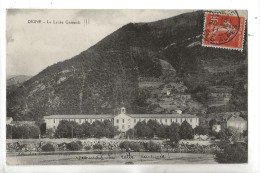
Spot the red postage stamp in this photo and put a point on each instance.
(224, 31)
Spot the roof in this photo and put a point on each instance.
(236, 118)
(22, 122)
(162, 115)
(112, 116)
(104, 116)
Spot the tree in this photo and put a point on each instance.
(212, 122)
(34, 131)
(40, 123)
(130, 133)
(8, 132)
(201, 130)
(68, 129)
(110, 129)
(25, 131)
(229, 134)
(87, 129)
(142, 130)
(155, 129)
(64, 129)
(186, 131)
(49, 133)
(98, 129)
(172, 132)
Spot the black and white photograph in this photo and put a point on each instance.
(126, 86)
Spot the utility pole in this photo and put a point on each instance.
(12, 134)
(72, 131)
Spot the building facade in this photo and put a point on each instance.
(123, 121)
(53, 121)
(238, 123)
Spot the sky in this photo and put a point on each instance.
(31, 47)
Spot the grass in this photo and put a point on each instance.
(117, 158)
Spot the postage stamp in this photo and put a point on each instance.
(224, 30)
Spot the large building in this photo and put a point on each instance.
(238, 123)
(123, 121)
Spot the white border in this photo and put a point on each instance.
(253, 88)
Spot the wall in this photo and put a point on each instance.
(239, 125)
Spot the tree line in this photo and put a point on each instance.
(25, 131)
(98, 129)
(153, 129)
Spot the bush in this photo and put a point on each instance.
(87, 148)
(48, 147)
(153, 147)
(233, 153)
(125, 145)
(97, 147)
(74, 146)
(137, 147)
(133, 146)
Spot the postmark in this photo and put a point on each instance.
(223, 29)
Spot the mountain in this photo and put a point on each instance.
(133, 66)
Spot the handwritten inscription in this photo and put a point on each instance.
(123, 157)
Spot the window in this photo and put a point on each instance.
(160, 120)
(90, 120)
(85, 120)
(129, 126)
(79, 120)
(123, 120)
(171, 121)
(176, 120)
(191, 120)
(128, 120)
(54, 127)
(53, 120)
(166, 120)
(123, 126)
(117, 120)
(140, 120)
(134, 120)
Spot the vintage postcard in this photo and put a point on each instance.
(116, 87)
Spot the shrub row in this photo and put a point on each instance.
(137, 147)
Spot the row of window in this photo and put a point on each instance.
(82, 120)
(123, 126)
(161, 120)
(135, 120)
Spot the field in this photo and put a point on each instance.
(119, 158)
